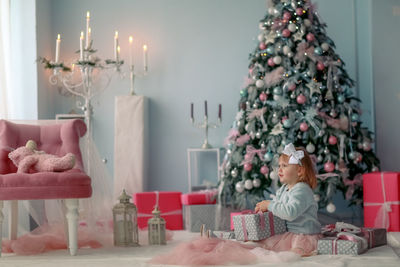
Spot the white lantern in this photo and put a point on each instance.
(125, 223)
(156, 228)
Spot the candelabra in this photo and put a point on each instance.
(89, 75)
(205, 124)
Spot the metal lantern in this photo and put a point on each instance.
(125, 223)
(156, 228)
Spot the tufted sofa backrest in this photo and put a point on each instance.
(57, 139)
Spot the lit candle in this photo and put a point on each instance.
(89, 37)
(145, 57)
(118, 51)
(219, 111)
(115, 45)
(58, 41)
(81, 47)
(191, 110)
(87, 28)
(72, 67)
(130, 51)
(205, 108)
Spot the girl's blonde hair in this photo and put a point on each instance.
(308, 174)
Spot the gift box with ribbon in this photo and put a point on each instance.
(382, 200)
(257, 226)
(200, 197)
(169, 204)
(374, 236)
(197, 215)
(224, 234)
(343, 244)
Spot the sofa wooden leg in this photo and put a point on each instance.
(1, 223)
(72, 219)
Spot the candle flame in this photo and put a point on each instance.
(130, 39)
(58, 37)
(73, 67)
(118, 49)
(87, 14)
(82, 35)
(116, 34)
(145, 48)
(90, 30)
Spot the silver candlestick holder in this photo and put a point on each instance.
(206, 124)
(133, 75)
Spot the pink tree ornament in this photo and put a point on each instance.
(248, 167)
(329, 166)
(264, 170)
(332, 140)
(286, 33)
(301, 99)
(263, 96)
(303, 126)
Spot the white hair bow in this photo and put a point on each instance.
(295, 155)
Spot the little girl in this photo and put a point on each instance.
(294, 203)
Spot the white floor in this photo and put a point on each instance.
(383, 256)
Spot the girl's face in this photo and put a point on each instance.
(288, 173)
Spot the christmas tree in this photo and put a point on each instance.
(299, 92)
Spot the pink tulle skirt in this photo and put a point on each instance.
(214, 251)
(302, 244)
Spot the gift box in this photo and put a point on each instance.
(169, 204)
(382, 200)
(375, 236)
(200, 197)
(342, 245)
(257, 226)
(224, 234)
(197, 215)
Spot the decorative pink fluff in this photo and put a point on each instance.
(208, 251)
(274, 77)
(46, 238)
(28, 160)
(242, 139)
(302, 244)
(215, 251)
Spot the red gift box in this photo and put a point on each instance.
(169, 204)
(382, 200)
(200, 197)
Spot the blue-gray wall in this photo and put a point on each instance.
(198, 50)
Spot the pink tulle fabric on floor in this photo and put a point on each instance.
(215, 251)
(46, 238)
(304, 245)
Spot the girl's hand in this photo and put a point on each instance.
(262, 206)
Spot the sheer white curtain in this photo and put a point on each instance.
(5, 41)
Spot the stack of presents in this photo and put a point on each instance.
(191, 211)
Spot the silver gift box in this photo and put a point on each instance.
(197, 215)
(251, 223)
(333, 246)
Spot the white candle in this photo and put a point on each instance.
(58, 41)
(145, 57)
(89, 37)
(130, 51)
(87, 28)
(81, 47)
(115, 45)
(118, 51)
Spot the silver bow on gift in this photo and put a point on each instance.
(295, 156)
